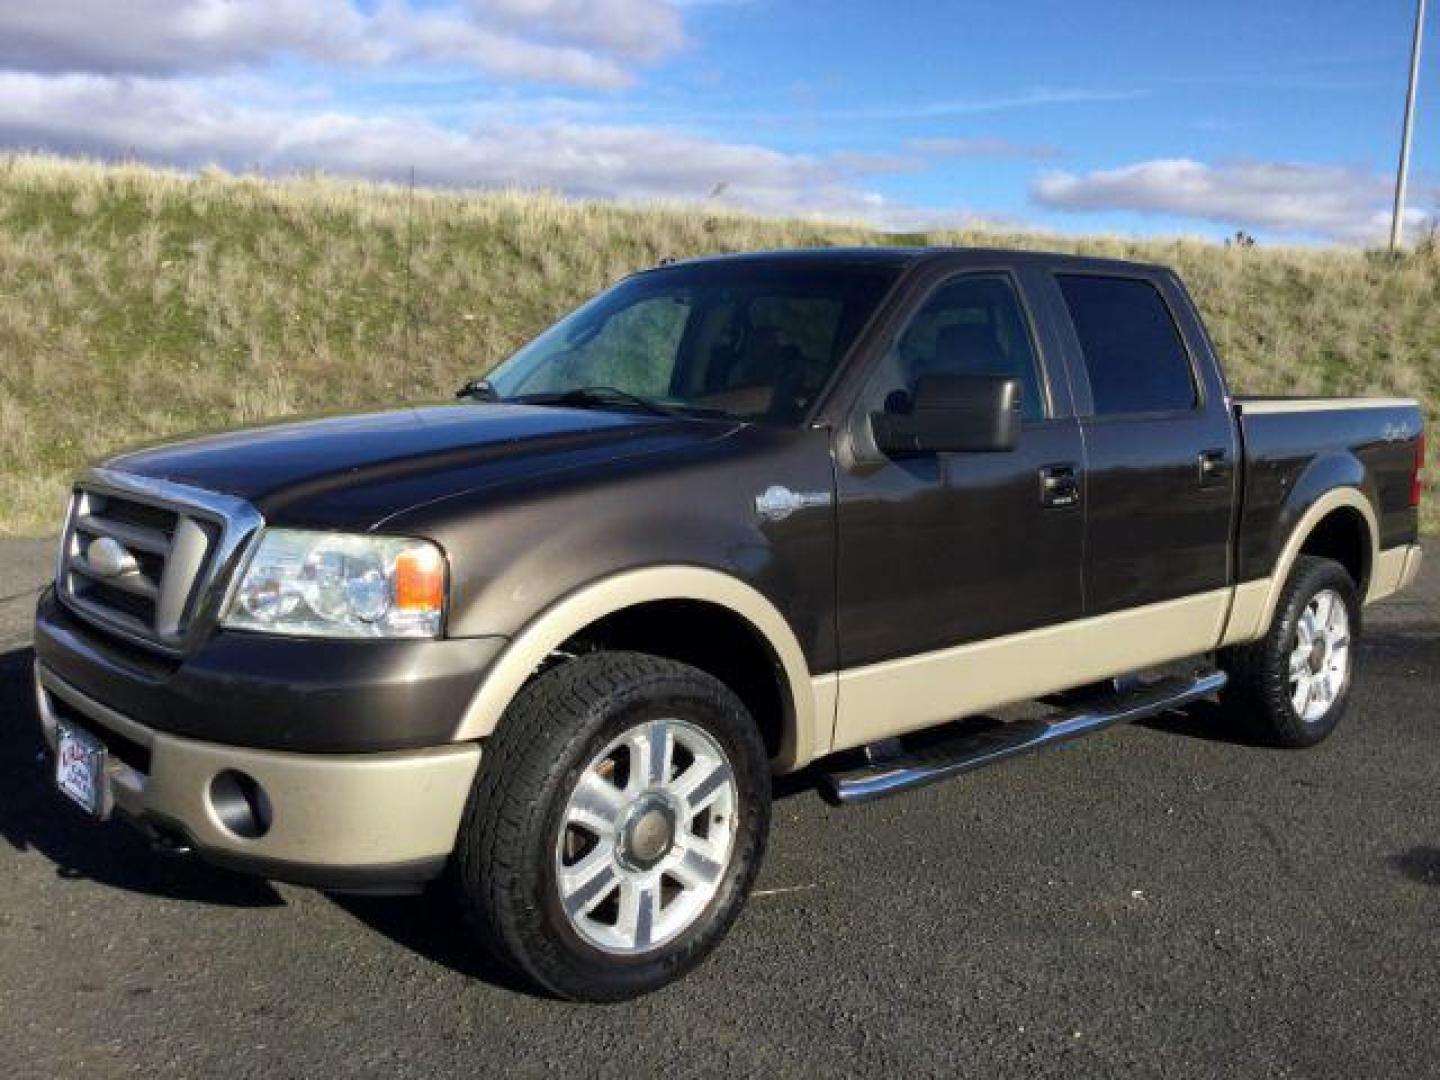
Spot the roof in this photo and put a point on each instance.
(905, 256)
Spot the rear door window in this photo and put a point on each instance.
(1133, 352)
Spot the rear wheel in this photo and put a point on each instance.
(618, 820)
(1292, 686)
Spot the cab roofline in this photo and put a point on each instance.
(905, 256)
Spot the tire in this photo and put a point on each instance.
(1264, 691)
(574, 886)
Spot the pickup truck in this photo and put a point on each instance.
(735, 517)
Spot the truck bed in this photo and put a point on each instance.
(1296, 448)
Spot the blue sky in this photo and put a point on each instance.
(1279, 117)
(1311, 82)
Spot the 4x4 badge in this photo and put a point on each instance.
(778, 503)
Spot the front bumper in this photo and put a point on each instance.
(360, 822)
(271, 692)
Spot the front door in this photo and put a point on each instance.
(941, 551)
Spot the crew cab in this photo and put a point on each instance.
(734, 517)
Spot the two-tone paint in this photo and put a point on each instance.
(893, 595)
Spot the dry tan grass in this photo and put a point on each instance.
(137, 303)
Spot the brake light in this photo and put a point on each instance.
(1419, 474)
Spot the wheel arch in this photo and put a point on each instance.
(1339, 524)
(599, 607)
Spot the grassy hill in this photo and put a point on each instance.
(137, 303)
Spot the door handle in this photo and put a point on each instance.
(1059, 486)
(1214, 468)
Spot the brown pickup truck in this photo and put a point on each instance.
(733, 517)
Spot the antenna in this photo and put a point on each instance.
(1397, 218)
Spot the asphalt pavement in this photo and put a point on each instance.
(1157, 900)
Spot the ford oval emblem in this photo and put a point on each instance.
(106, 557)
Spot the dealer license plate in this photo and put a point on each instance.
(80, 768)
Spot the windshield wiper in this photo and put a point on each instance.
(479, 389)
(602, 396)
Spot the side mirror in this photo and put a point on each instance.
(951, 414)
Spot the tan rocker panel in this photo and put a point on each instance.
(584, 608)
(898, 696)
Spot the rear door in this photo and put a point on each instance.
(1160, 444)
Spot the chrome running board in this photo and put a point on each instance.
(898, 767)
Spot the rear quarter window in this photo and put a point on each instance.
(1133, 352)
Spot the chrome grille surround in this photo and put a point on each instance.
(151, 560)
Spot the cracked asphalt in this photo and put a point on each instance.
(1160, 900)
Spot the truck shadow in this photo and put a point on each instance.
(432, 926)
(34, 818)
(1204, 720)
(1421, 865)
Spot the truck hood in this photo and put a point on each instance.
(354, 471)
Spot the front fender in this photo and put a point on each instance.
(810, 704)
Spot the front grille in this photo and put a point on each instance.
(104, 595)
(143, 557)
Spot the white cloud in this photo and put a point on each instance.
(452, 38)
(162, 36)
(196, 122)
(1337, 203)
(592, 43)
(635, 29)
(192, 82)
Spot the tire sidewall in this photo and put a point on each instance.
(572, 965)
(1313, 576)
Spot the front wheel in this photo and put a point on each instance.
(1292, 686)
(618, 820)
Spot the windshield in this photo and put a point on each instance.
(747, 340)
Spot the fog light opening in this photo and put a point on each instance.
(240, 804)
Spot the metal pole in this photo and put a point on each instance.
(1397, 219)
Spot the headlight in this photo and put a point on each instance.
(319, 584)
